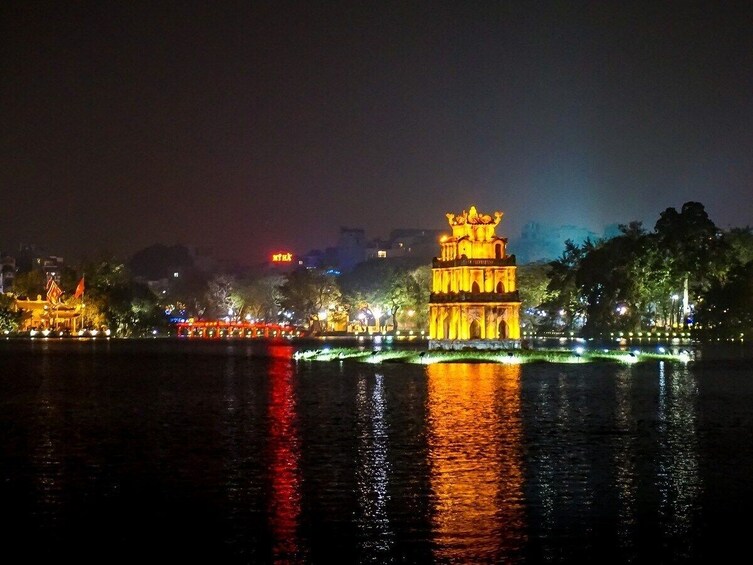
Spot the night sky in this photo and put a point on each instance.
(254, 126)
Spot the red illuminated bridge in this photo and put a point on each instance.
(218, 329)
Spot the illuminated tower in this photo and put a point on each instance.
(474, 294)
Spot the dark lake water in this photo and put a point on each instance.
(233, 452)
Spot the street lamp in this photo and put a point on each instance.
(673, 313)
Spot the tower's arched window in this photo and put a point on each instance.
(475, 330)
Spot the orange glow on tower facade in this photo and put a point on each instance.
(474, 294)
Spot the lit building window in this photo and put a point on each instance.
(381, 254)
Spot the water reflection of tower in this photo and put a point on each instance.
(475, 459)
(284, 444)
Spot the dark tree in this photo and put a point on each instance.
(307, 292)
(727, 308)
(390, 286)
(30, 284)
(564, 306)
(693, 244)
(10, 318)
(160, 262)
(533, 282)
(114, 300)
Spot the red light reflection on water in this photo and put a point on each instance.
(285, 452)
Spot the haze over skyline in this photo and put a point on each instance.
(252, 127)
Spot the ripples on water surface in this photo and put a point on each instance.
(114, 451)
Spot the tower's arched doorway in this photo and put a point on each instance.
(475, 330)
(502, 330)
(475, 287)
(500, 287)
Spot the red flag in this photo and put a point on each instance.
(53, 292)
(79, 289)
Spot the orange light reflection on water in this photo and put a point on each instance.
(476, 475)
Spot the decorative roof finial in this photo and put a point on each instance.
(474, 218)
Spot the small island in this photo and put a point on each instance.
(578, 354)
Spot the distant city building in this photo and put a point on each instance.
(542, 242)
(311, 260)
(52, 267)
(161, 267)
(378, 249)
(419, 243)
(474, 294)
(317, 259)
(351, 248)
(31, 257)
(7, 273)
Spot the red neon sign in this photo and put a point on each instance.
(285, 257)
